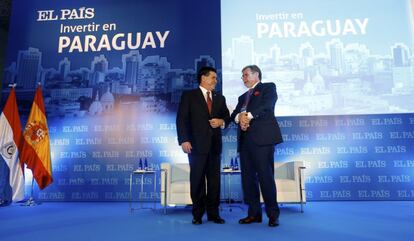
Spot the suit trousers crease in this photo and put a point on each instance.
(258, 169)
(205, 172)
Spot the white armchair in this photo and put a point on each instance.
(290, 182)
(175, 184)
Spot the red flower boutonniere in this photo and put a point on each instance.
(256, 93)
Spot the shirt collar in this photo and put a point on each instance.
(204, 90)
(254, 86)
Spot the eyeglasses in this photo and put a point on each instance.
(245, 75)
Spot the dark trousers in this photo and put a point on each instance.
(205, 168)
(257, 168)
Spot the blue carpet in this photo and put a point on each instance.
(321, 221)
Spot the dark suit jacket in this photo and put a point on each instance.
(264, 128)
(193, 121)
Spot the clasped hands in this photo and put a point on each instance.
(215, 122)
(244, 121)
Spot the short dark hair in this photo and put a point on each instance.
(254, 69)
(205, 71)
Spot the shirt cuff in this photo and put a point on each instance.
(236, 119)
(249, 115)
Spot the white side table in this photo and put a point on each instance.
(142, 173)
(227, 174)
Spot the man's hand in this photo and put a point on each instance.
(215, 122)
(186, 146)
(244, 121)
(244, 127)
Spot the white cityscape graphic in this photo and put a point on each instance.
(146, 83)
(344, 79)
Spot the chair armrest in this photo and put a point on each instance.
(165, 183)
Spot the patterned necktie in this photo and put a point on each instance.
(209, 102)
(247, 99)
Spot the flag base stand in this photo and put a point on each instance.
(31, 202)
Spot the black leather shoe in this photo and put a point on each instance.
(197, 221)
(218, 220)
(248, 220)
(273, 222)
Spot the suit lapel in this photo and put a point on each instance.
(215, 103)
(253, 97)
(202, 101)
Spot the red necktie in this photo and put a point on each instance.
(209, 102)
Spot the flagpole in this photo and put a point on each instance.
(36, 135)
(31, 201)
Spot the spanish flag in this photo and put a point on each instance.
(36, 148)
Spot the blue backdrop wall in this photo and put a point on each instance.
(345, 71)
(113, 72)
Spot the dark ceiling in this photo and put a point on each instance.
(5, 11)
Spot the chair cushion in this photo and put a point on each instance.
(286, 185)
(180, 187)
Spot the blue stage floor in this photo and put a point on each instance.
(321, 221)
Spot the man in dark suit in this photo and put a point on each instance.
(201, 115)
(258, 133)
